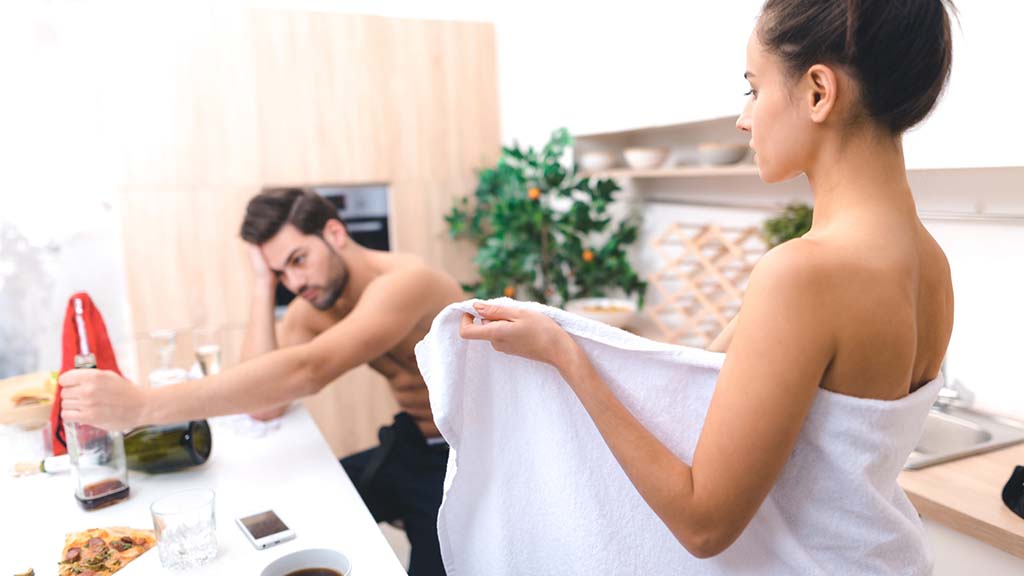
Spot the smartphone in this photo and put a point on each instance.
(265, 529)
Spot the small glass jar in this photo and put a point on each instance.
(99, 468)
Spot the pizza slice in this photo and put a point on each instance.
(103, 551)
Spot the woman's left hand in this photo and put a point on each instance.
(519, 332)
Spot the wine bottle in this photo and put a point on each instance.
(168, 448)
(97, 456)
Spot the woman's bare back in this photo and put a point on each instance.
(893, 306)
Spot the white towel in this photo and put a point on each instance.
(532, 488)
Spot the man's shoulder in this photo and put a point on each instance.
(411, 286)
(409, 273)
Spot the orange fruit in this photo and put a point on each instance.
(510, 291)
(533, 193)
(588, 256)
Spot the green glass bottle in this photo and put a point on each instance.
(168, 448)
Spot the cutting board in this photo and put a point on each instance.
(33, 415)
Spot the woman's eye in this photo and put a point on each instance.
(751, 92)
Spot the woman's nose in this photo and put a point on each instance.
(743, 122)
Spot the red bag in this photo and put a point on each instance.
(99, 345)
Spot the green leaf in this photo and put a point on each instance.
(554, 174)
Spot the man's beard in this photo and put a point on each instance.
(337, 281)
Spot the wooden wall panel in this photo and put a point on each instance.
(322, 114)
(180, 96)
(185, 263)
(351, 409)
(418, 224)
(411, 103)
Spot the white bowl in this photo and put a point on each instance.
(310, 558)
(716, 154)
(596, 160)
(616, 312)
(643, 158)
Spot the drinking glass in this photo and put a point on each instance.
(206, 342)
(186, 528)
(165, 374)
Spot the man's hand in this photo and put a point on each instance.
(102, 399)
(261, 271)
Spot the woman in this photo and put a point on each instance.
(862, 305)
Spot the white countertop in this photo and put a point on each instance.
(291, 470)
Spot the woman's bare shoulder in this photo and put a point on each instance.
(801, 261)
(811, 274)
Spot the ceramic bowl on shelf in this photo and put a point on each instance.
(617, 312)
(643, 158)
(719, 154)
(597, 160)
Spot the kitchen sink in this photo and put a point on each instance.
(953, 432)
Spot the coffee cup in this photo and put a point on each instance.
(311, 562)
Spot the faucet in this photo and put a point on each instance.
(953, 394)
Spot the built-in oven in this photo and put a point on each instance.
(364, 211)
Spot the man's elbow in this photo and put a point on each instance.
(270, 413)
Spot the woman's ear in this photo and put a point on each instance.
(822, 93)
(335, 233)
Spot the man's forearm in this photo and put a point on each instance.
(268, 380)
(259, 335)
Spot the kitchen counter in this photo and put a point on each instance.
(966, 495)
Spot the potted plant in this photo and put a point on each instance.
(545, 233)
(793, 222)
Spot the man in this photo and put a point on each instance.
(357, 306)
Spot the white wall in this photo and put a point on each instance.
(610, 66)
(58, 187)
(988, 284)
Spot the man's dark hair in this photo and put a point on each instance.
(899, 51)
(271, 209)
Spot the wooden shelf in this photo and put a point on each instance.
(677, 172)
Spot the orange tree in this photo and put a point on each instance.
(543, 232)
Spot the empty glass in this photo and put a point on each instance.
(165, 374)
(186, 529)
